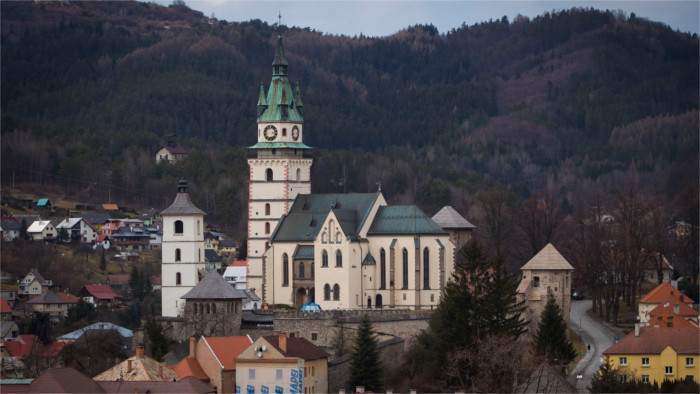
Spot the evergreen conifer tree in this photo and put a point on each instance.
(159, 343)
(365, 368)
(552, 336)
(103, 261)
(23, 234)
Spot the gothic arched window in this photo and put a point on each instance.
(338, 259)
(405, 268)
(301, 270)
(324, 259)
(426, 268)
(285, 270)
(382, 269)
(268, 174)
(267, 209)
(267, 228)
(326, 292)
(336, 292)
(312, 270)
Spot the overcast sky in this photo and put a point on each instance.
(382, 18)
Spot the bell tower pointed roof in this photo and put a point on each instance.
(281, 104)
(280, 60)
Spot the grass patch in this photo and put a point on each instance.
(580, 347)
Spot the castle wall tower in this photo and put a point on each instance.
(279, 167)
(182, 250)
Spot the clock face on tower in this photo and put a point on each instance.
(270, 133)
(295, 133)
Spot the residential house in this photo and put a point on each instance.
(69, 380)
(54, 304)
(42, 230)
(98, 294)
(34, 283)
(236, 274)
(651, 272)
(673, 306)
(654, 354)
(78, 230)
(171, 152)
(137, 368)
(548, 274)
(211, 241)
(111, 209)
(660, 295)
(155, 235)
(9, 291)
(212, 260)
(5, 310)
(149, 216)
(213, 360)
(103, 241)
(281, 364)
(44, 203)
(97, 220)
(131, 239)
(227, 246)
(15, 355)
(10, 228)
(8, 328)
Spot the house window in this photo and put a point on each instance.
(251, 374)
(688, 378)
(382, 269)
(668, 370)
(268, 174)
(178, 255)
(285, 270)
(336, 292)
(278, 374)
(426, 269)
(267, 209)
(689, 362)
(405, 269)
(623, 361)
(179, 227)
(326, 292)
(645, 361)
(324, 259)
(301, 270)
(536, 281)
(267, 228)
(178, 279)
(314, 336)
(645, 378)
(338, 259)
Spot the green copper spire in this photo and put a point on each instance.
(281, 104)
(279, 66)
(297, 99)
(262, 100)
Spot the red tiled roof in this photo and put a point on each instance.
(64, 380)
(102, 292)
(239, 263)
(666, 318)
(11, 218)
(654, 340)
(187, 385)
(298, 347)
(651, 264)
(661, 293)
(226, 349)
(4, 306)
(102, 237)
(22, 347)
(668, 305)
(189, 366)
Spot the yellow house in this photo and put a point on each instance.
(658, 353)
(278, 363)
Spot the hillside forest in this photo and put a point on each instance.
(534, 129)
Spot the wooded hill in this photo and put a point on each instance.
(573, 99)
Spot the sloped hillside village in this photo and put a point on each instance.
(285, 311)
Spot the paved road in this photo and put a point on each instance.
(598, 335)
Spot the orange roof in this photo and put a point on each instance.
(226, 349)
(239, 263)
(654, 340)
(189, 366)
(661, 293)
(667, 305)
(110, 207)
(666, 318)
(4, 306)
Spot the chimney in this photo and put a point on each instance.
(682, 297)
(283, 342)
(636, 330)
(129, 367)
(139, 351)
(192, 347)
(676, 309)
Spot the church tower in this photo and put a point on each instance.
(182, 250)
(280, 168)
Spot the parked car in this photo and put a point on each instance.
(577, 295)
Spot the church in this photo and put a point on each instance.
(341, 251)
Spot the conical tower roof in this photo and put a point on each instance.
(548, 258)
(182, 204)
(213, 287)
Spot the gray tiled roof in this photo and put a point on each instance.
(309, 211)
(94, 218)
(182, 206)
(304, 252)
(213, 287)
(211, 256)
(448, 217)
(403, 219)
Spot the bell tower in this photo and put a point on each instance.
(280, 164)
